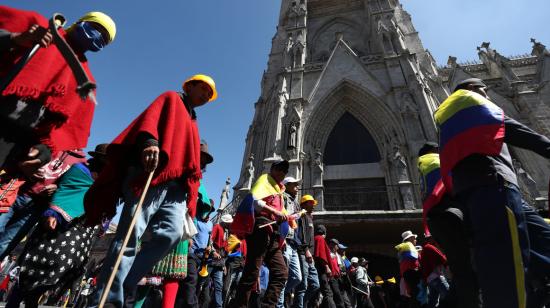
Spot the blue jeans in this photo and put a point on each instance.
(438, 289)
(309, 286)
(163, 214)
(17, 222)
(294, 273)
(217, 279)
(500, 242)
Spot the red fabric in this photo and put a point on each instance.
(61, 162)
(321, 253)
(48, 79)
(408, 264)
(168, 121)
(472, 141)
(334, 267)
(431, 258)
(170, 290)
(242, 248)
(274, 201)
(431, 201)
(9, 189)
(5, 283)
(218, 237)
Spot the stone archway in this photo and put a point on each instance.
(377, 118)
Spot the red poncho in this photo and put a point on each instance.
(168, 121)
(218, 237)
(47, 78)
(431, 258)
(322, 253)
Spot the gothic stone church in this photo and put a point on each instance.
(348, 98)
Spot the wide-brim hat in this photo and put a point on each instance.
(407, 235)
(290, 179)
(100, 151)
(226, 218)
(204, 153)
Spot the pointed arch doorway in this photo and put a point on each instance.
(353, 178)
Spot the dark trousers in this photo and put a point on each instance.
(234, 269)
(325, 289)
(364, 301)
(412, 279)
(447, 228)
(500, 242)
(538, 272)
(188, 286)
(18, 295)
(263, 247)
(345, 289)
(337, 294)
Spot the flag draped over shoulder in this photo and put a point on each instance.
(468, 124)
(431, 184)
(406, 251)
(243, 222)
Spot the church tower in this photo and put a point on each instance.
(348, 98)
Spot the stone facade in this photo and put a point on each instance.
(334, 62)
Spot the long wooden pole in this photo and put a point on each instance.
(137, 212)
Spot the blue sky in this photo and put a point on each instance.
(160, 43)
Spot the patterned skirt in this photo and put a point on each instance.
(173, 265)
(54, 259)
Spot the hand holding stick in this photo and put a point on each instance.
(293, 217)
(137, 212)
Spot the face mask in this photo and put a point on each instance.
(85, 37)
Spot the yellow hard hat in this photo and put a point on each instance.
(206, 79)
(378, 280)
(307, 198)
(102, 19)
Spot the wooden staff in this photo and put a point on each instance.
(137, 212)
(298, 214)
(360, 291)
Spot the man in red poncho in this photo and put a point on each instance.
(40, 105)
(325, 265)
(432, 265)
(163, 139)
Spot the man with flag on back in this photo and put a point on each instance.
(254, 220)
(476, 167)
(445, 223)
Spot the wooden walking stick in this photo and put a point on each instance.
(137, 212)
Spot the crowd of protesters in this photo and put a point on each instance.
(484, 246)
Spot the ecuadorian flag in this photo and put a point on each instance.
(406, 251)
(243, 222)
(431, 184)
(468, 124)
